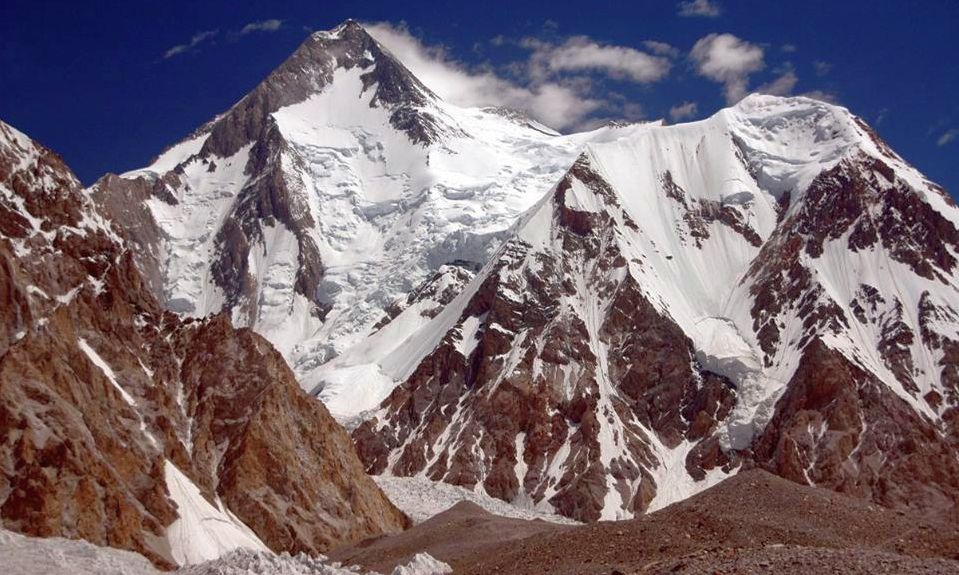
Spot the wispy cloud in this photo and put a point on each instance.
(201, 38)
(700, 8)
(789, 48)
(782, 85)
(729, 60)
(195, 41)
(821, 68)
(661, 48)
(948, 137)
(271, 25)
(683, 111)
(881, 116)
(554, 82)
(822, 96)
(581, 54)
(555, 104)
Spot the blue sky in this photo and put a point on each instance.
(110, 84)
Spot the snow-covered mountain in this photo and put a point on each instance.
(769, 286)
(598, 323)
(328, 194)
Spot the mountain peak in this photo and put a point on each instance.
(349, 26)
(308, 71)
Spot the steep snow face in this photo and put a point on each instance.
(190, 214)
(625, 348)
(388, 214)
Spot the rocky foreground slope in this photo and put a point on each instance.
(752, 523)
(126, 426)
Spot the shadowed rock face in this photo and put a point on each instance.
(99, 386)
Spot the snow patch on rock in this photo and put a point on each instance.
(203, 532)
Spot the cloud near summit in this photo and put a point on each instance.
(729, 60)
(552, 83)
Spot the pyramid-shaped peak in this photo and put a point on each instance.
(308, 71)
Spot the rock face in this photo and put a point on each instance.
(102, 391)
(689, 302)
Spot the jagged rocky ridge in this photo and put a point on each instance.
(125, 425)
(771, 286)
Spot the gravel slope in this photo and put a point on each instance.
(754, 522)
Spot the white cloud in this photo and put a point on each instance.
(948, 137)
(683, 111)
(789, 48)
(781, 86)
(726, 59)
(661, 48)
(196, 40)
(199, 38)
(581, 54)
(881, 117)
(822, 96)
(821, 68)
(703, 8)
(271, 25)
(558, 105)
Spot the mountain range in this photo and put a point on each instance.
(597, 325)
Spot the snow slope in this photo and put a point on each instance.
(203, 532)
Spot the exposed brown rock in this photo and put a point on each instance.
(79, 458)
(701, 213)
(839, 427)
